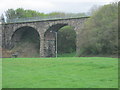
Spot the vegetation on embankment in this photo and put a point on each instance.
(100, 33)
(75, 72)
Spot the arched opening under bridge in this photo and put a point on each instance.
(26, 42)
(60, 41)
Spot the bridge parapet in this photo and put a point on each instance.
(41, 18)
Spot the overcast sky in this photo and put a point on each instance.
(46, 6)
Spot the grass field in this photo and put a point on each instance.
(72, 72)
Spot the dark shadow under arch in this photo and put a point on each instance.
(25, 38)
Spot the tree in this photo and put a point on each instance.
(100, 35)
(10, 14)
(66, 40)
(21, 13)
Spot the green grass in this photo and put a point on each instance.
(73, 72)
(67, 54)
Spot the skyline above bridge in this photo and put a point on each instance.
(47, 6)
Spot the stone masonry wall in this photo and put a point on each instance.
(42, 27)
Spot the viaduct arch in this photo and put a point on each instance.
(43, 29)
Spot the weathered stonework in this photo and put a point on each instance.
(47, 39)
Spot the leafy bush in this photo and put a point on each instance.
(66, 40)
(100, 33)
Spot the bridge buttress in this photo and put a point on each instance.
(42, 46)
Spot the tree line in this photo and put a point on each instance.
(22, 13)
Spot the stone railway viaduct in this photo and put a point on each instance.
(12, 32)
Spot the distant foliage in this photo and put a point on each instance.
(66, 40)
(100, 33)
(22, 13)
